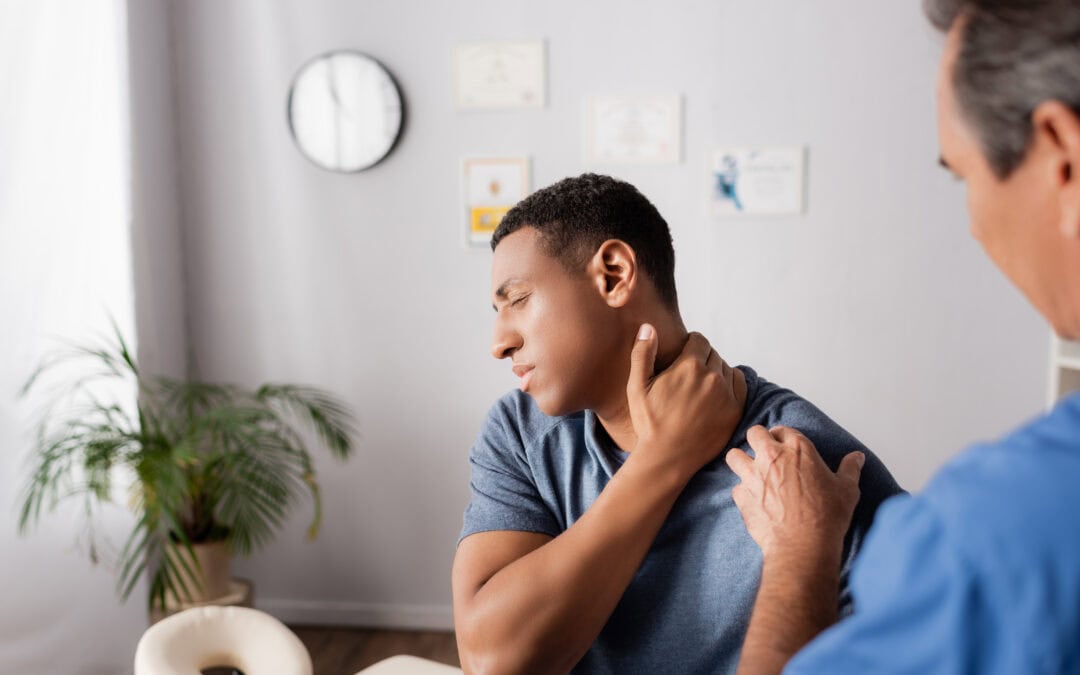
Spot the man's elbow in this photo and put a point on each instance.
(482, 651)
(486, 650)
(487, 660)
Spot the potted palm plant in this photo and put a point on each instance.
(213, 469)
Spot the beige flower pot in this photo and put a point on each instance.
(214, 561)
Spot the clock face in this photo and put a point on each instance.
(345, 111)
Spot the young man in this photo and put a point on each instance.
(981, 572)
(601, 535)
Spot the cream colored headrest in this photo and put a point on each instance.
(409, 665)
(248, 640)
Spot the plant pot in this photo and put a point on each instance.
(210, 576)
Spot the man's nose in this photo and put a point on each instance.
(504, 342)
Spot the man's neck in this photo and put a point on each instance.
(615, 417)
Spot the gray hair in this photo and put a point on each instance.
(1014, 55)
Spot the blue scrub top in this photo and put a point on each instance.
(978, 574)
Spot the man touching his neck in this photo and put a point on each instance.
(601, 535)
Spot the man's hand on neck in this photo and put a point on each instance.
(681, 397)
(672, 340)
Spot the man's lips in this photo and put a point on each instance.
(525, 373)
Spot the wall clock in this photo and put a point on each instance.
(345, 111)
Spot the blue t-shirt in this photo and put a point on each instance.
(687, 608)
(978, 574)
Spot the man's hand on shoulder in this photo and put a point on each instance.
(685, 415)
(790, 500)
(798, 511)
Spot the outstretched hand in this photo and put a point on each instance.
(685, 415)
(791, 502)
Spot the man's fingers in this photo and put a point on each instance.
(739, 493)
(759, 435)
(789, 436)
(740, 463)
(766, 448)
(717, 363)
(696, 347)
(851, 466)
(642, 360)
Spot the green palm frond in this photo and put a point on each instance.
(330, 419)
(207, 462)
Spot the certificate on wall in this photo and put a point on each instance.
(757, 181)
(492, 186)
(500, 74)
(633, 129)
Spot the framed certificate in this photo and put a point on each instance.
(500, 74)
(491, 185)
(633, 130)
(757, 181)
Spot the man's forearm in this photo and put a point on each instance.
(797, 599)
(542, 612)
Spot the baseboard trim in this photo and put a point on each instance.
(359, 614)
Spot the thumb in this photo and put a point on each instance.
(851, 466)
(642, 361)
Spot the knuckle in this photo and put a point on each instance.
(738, 493)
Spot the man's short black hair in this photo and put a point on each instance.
(576, 215)
(1014, 55)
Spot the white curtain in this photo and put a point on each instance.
(65, 267)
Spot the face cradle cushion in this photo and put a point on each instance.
(247, 640)
(409, 665)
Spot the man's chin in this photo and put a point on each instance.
(553, 407)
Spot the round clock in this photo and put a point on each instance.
(345, 111)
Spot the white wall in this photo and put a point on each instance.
(876, 304)
(157, 240)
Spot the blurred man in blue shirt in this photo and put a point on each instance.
(981, 572)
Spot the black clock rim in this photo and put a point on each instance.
(397, 90)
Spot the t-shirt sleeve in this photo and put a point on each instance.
(915, 596)
(504, 494)
(833, 442)
(876, 484)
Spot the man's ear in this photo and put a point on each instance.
(614, 272)
(1061, 126)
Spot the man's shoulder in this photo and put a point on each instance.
(1024, 480)
(770, 404)
(1008, 507)
(996, 524)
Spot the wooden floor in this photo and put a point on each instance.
(343, 651)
